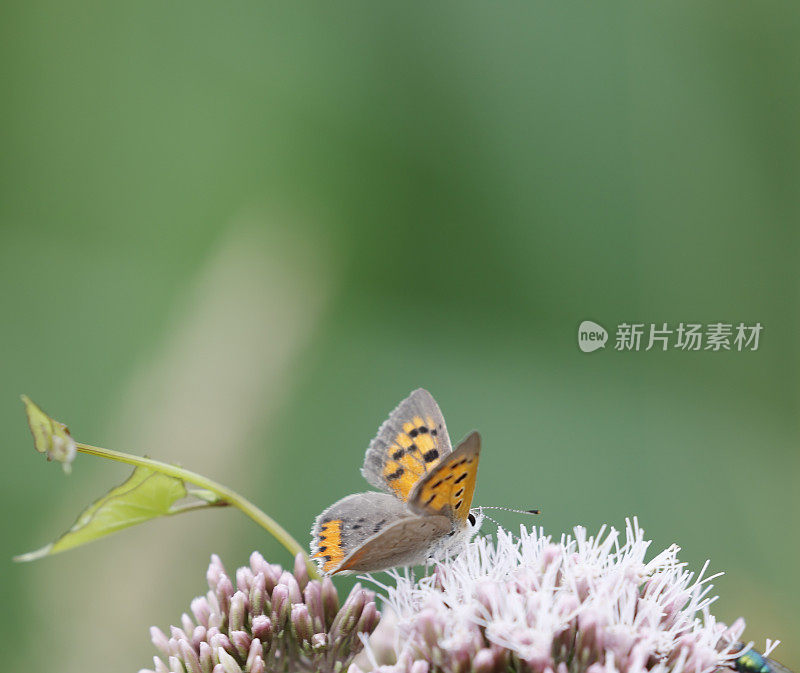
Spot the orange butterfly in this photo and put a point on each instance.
(424, 511)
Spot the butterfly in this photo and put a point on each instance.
(424, 509)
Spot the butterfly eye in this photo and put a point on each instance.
(471, 518)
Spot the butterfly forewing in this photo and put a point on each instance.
(348, 523)
(409, 445)
(449, 488)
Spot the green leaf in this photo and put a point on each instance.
(145, 495)
(49, 436)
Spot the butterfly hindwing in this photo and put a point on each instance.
(405, 542)
(409, 444)
(449, 488)
(348, 523)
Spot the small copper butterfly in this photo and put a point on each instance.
(424, 511)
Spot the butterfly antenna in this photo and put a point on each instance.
(516, 511)
(494, 521)
(497, 523)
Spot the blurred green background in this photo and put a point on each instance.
(235, 235)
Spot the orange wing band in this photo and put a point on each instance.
(329, 545)
(413, 454)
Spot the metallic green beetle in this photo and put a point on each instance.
(754, 662)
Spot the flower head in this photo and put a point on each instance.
(579, 604)
(576, 605)
(268, 620)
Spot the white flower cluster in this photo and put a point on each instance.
(577, 605)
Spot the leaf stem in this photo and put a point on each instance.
(225, 494)
(193, 506)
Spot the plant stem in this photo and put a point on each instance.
(225, 494)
